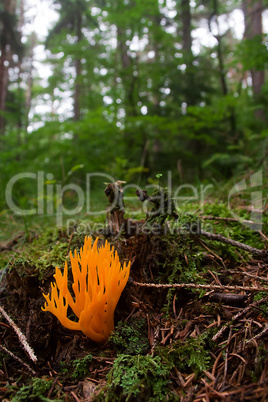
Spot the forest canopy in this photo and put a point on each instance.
(134, 88)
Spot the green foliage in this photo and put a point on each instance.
(145, 377)
(259, 296)
(63, 367)
(190, 355)
(263, 306)
(34, 391)
(187, 223)
(81, 367)
(253, 53)
(130, 338)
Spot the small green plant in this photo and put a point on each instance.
(190, 354)
(143, 377)
(34, 391)
(131, 339)
(158, 176)
(260, 295)
(81, 367)
(263, 306)
(63, 368)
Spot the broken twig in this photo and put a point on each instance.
(21, 336)
(18, 359)
(237, 316)
(201, 286)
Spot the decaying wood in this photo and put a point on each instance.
(228, 298)
(116, 209)
(117, 223)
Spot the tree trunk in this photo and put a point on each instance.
(253, 27)
(186, 18)
(220, 56)
(78, 70)
(3, 84)
(28, 96)
(186, 27)
(126, 73)
(5, 58)
(222, 72)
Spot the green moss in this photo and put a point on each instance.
(182, 264)
(81, 367)
(263, 307)
(143, 377)
(187, 223)
(260, 295)
(130, 338)
(190, 356)
(38, 262)
(34, 391)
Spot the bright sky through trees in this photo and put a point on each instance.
(40, 16)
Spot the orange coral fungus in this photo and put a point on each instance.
(98, 281)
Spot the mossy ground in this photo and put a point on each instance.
(162, 347)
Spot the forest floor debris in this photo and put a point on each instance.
(203, 339)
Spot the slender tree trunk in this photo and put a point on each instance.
(186, 27)
(128, 79)
(21, 115)
(253, 27)
(28, 97)
(186, 20)
(221, 67)
(222, 74)
(3, 83)
(5, 58)
(78, 71)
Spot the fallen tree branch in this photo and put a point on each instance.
(201, 286)
(242, 246)
(220, 218)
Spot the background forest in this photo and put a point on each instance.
(135, 88)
